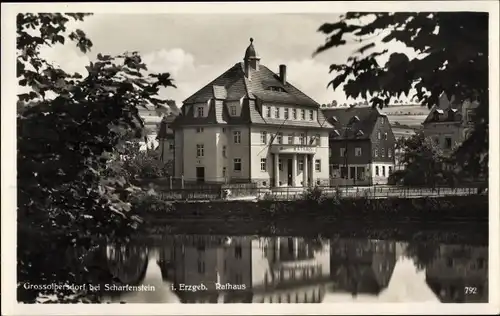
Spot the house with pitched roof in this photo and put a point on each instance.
(361, 146)
(450, 122)
(252, 125)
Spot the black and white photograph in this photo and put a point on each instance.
(288, 157)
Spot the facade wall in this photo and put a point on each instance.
(261, 150)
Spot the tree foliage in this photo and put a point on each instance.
(452, 58)
(425, 163)
(68, 127)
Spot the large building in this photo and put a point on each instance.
(252, 125)
(361, 146)
(450, 122)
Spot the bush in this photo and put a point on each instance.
(315, 194)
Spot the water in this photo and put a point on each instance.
(251, 269)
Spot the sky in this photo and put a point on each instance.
(196, 48)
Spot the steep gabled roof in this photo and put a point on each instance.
(362, 121)
(236, 85)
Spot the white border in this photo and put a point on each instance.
(11, 307)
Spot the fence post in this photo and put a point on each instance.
(182, 181)
(170, 180)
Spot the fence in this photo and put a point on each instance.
(290, 193)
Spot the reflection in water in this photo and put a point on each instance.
(220, 269)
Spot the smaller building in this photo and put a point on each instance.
(361, 146)
(450, 122)
(165, 138)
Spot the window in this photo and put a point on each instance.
(378, 135)
(232, 108)
(385, 136)
(263, 137)
(263, 163)
(302, 138)
(280, 165)
(224, 151)
(361, 173)
(303, 114)
(237, 252)
(224, 171)
(382, 121)
(390, 170)
(317, 165)
(318, 140)
(447, 142)
(389, 153)
(237, 164)
(343, 172)
(201, 267)
(383, 171)
(279, 136)
(311, 115)
(301, 165)
(199, 130)
(471, 117)
(294, 114)
(237, 137)
(342, 152)
(200, 150)
(382, 152)
(223, 129)
(268, 111)
(357, 151)
(375, 152)
(352, 173)
(286, 113)
(277, 112)
(376, 170)
(200, 111)
(290, 139)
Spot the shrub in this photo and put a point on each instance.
(315, 194)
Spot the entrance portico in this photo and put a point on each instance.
(289, 162)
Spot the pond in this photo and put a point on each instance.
(188, 268)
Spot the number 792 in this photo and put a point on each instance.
(469, 290)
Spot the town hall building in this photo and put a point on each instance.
(252, 125)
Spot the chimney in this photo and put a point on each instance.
(283, 74)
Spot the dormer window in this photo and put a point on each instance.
(276, 89)
(286, 113)
(311, 115)
(277, 112)
(294, 114)
(354, 119)
(268, 111)
(232, 109)
(200, 111)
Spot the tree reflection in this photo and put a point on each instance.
(422, 253)
(128, 263)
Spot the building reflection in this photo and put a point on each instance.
(459, 274)
(360, 266)
(265, 270)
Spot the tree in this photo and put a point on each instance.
(424, 161)
(334, 103)
(68, 129)
(452, 50)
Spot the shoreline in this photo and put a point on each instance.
(446, 209)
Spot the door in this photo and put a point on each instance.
(200, 174)
(289, 172)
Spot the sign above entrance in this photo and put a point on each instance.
(293, 149)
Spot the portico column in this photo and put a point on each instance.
(276, 170)
(305, 171)
(295, 247)
(294, 170)
(313, 166)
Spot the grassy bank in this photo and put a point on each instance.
(472, 208)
